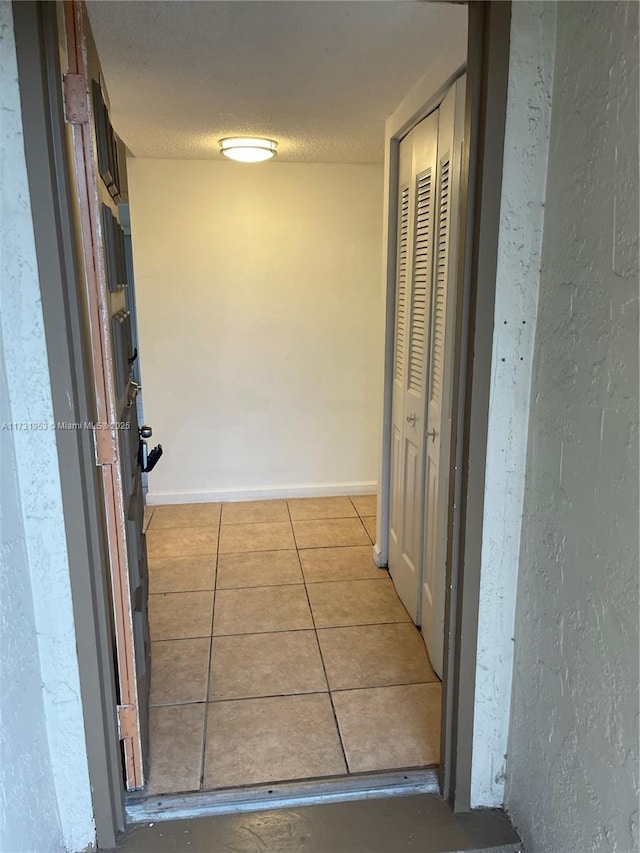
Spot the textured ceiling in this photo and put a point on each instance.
(320, 77)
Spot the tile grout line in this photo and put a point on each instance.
(324, 668)
(266, 585)
(263, 550)
(362, 524)
(209, 664)
(436, 682)
(285, 630)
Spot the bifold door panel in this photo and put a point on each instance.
(418, 158)
(428, 211)
(440, 366)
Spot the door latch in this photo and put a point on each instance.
(147, 459)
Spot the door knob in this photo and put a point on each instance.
(412, 418)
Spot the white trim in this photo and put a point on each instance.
(313, 490)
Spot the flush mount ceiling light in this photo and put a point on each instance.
(247, 149)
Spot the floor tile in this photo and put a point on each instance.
(374, 656)
(267, 740)
(390, 727)
(176, 734)
(247, 512)
(365, 504)
(266, 665)
(370, 522)
(302, 509)
(353, 562)
(330, 532)
(181, 541)
(179, 671)
(265, 536)
(258, 568)
(186, 515)
(341, 603)
(179, 615)
(182, 574)
(265, 608)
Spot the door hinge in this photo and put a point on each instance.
(105, 444)
(76, 99)
(127, 721)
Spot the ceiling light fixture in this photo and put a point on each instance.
(247, 149)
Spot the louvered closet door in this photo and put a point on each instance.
(439, 384)
(418, 157)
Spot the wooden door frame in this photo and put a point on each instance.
(49, 181)
(79, 111)
(487, 71)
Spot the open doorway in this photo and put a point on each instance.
(345, 515)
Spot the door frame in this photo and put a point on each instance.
(487, 71)
(49, 182)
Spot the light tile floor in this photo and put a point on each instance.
(279, 650)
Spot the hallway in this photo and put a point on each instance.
(279, 650)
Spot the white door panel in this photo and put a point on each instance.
(428, 211)
(440, 364)
(418, 158)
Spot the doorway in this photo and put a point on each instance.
(193, 537)
(169, 317)
(268, 545)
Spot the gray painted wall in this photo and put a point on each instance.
(45, 796)
(26, 778)
(526, 149)
(572, 765)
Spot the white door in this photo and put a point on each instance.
(417, 180)
(439, 384)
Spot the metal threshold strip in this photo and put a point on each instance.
(143, 809)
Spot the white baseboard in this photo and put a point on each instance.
(315, 490)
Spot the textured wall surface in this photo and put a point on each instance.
(519, 250)
(572, 769)
(26, 778)
(259, 304)
(46, 798)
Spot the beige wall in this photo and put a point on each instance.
(259, 295)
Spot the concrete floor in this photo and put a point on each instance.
(421, 823)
